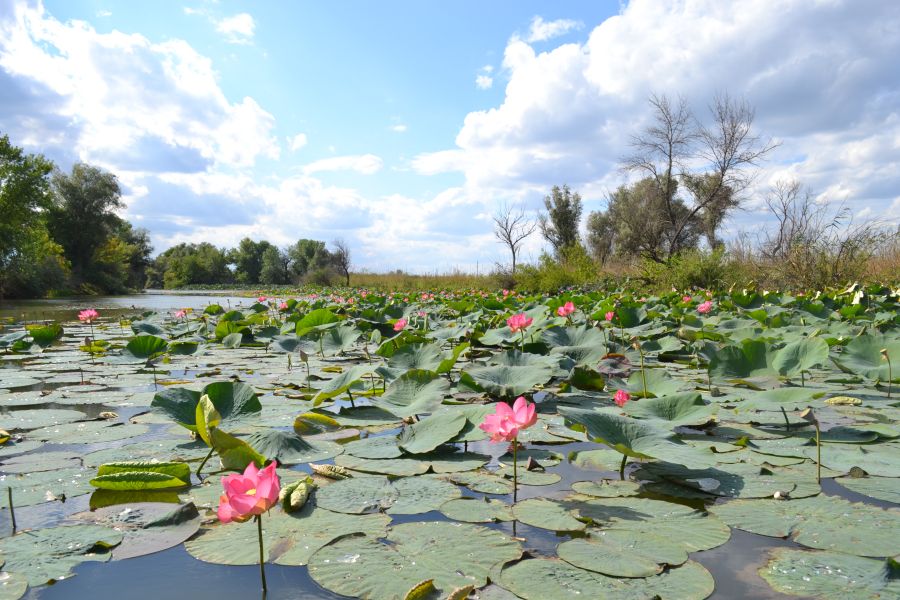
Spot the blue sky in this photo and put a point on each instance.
(401, 127)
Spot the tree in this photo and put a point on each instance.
(248, 260)
(26, 250)
(512, 228)
(187, 264)
(137, 253)
(276, 267)
(82, 218)
(303, 254)
(668, 148)
(341, 259)
(560, 225)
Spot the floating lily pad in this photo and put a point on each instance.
(606, 488)
(830, 575)
(46, 486)
(167, 449)
(363, 567)
(44, 555)
(882, 488)
(622, 554)
(411, 495)
(547, 514)
(41, 461)
(483, 482)
(37, 418)
(432, 431)
(415, 392)
(374, 447)
(288, 448)
(87, 432)
(477, 510)
(12, 585)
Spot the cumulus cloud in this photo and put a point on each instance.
(238, 29)
(821, 76)
(399, 128)
(484, 82)
(364, 164)
(541, 30)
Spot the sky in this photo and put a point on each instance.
(401, 127)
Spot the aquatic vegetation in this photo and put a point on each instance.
(638, 432)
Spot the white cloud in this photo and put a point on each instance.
(541, 30)
(121, 101)
(399, 128)
(104, 13)
(298, 141)
(364, 164)
(484, 82)
(238, 29)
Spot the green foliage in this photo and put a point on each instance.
(560, 225)
(573, 267)
(691, 269)
(187, 264)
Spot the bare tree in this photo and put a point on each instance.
(512, 227)
(726, 151)
(341, 258)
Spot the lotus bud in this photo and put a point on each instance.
(294, 496)
(810, 417)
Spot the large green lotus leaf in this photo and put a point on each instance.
(432, 431)
(862, 356)
(364, 416)
(87, 432)
(148, 526)
(12, 585)
(543, 578)
(874, 459)
(475, 414)
(801, 355)
(45, 335)
(547, 514)
(413, 393)
(12, 448)
(482, 482)
(788, 398)
(687, 408)
(340, 339)
(830, 575)
(658, 383)
(346, 381)
(881, 488)
(42, 555)
(499, 336)
(477, 510)
(288, 448)
(397, 467)
(692, 529)
(173, 449)
(421, 494)
(823, 522)
(44, 486)
(141, 348)
(38, 417)
(358, 495)
(583, 344)
(752, 358)
(425, 357)
(453, 555)
(607, 488)
(735, 480)
(620, 553)
(634, 438)
(232, 400)
(10, 379)
(318, 319)
(505, 381)
(41, 461)
(601, 459)
(290, 538)
(383, 446)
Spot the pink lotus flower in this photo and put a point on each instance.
(705, 307)
(566, 309)
(519, 322)
(283, 306)
(506, 422)
(422, 313)
(610, 316)
(248, 495)
(686, 299)
(400, 325)
(88, 316)
(424, 296)
(261, 299)
(621, 398)
(180, 314)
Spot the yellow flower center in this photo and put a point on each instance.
(251, 492)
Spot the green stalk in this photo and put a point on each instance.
(622, 467)
(515, 470)
(786, 421)
(643, 373)
(818, 456)
(203, 464)
(262, 560)
(12, 510)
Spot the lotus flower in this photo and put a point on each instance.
(686, 299)
(283, 306)
(505, 423)
(610, 316)
(519, 322)
(400, 325)
(621, 398)
(261, 299)
(566, 309)
(180, 314)
(248, 495)
(705, 307)
(88, 316)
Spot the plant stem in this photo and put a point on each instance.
(786, 421)
(818, 456)
(262, 560)
(890, 375)
(802, 380)
(200, 468)
(515, 471)
(622, 467)
(12, 510)
(643, 374)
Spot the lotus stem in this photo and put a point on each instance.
(262, 560)
(786, 421)
(515, 471)
(202, 464)
(884, 355)
(12, 509)
(622, 467)
(643, 373)
(818, 456)
(802, 379)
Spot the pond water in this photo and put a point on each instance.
(174, 573)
